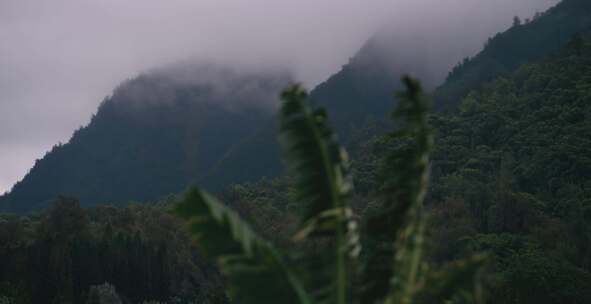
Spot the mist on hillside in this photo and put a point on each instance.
(233, 87)
(60, 58)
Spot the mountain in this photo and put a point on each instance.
(511, 177)
(524, 42)
(214, 127)
(510, 171)
(156, 134)
(211, 126)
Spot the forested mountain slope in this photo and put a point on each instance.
(511, 177)
(526, 41)
(157, 134)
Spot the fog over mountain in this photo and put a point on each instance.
(60, 58)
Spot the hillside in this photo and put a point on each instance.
(511, 177)
(526, 41)
(154, 136)
(514, 170)
(157, 134)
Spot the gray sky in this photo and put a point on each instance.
(60, 58)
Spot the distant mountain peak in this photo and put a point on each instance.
(214, 83)
(155, 135)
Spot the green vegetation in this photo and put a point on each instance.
(66, 254)
(510, 177)
(517, 158)
(334, 261)
(506, 215)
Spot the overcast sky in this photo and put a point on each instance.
(60, 58)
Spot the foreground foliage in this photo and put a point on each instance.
(332, 257)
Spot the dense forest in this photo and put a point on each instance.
(510, 181)
(513, 169)
(68, 253)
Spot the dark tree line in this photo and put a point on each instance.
(57, 256)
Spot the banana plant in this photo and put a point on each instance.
(385, 266)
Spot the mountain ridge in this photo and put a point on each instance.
(141, 161)
(147, 140)
(525, 42)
